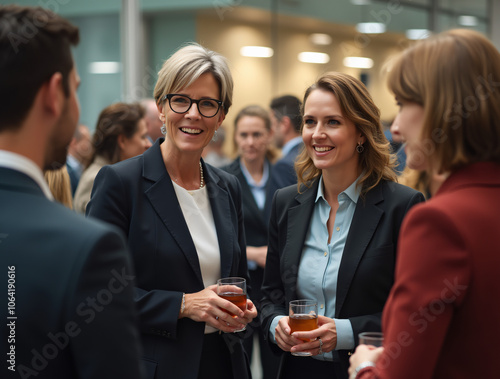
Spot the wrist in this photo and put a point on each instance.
(362, 367)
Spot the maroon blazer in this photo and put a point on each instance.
(441, 319)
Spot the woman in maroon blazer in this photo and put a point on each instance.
(446, 284)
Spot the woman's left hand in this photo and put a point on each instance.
(322, 340)
(251, 311)
(364, 353)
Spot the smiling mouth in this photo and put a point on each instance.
(322, 149)
(191, 131)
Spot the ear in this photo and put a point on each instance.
(221, 117)
(362, 138)
(53, 96)
(160, 108)
(286, 124)
(122, 141)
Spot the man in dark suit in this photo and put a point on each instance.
(286, 119)
(68, 305)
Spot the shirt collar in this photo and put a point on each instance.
(25, 165)
(352, 192)
(290, 145)
(248, 177)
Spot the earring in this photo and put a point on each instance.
(360, 148)
(164, 130)
(215, 137)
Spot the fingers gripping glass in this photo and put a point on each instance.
(182, 104)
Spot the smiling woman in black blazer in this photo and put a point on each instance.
(335, 239)
(184, 224)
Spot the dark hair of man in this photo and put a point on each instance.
(289, 106)
(34, 45)
(114, 120)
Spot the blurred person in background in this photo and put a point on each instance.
(60, 185)
(79, 153)
(152, 118)
(446, 284)
(120, 134)
(286, 121)
(253, 168)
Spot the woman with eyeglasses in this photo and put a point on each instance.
(184, 223)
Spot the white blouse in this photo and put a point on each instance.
(200, 221)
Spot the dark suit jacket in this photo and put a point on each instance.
(256, 221)
(72, 290)
(284, 172)
(447, 283)
(138, 196)
(366, 272)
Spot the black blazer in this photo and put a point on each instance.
(256, 221)
(138, 196)
(284, 170)
(72, 288)
(366, 272)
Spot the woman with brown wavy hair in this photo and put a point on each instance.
(333, 238)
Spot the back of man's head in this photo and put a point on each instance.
(288, 106)
(34, 45)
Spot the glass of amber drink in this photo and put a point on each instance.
(303, 318)
(235, 290)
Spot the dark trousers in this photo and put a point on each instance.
(215, 358)
(305, 367)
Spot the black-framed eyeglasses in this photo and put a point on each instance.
(182, 103)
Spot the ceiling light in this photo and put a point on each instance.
(417, 33)
(320, 39)
(467, 20)
(361, 2)
(358, 62)
(104, 67)
(256, 51)
(311, 57)
(370, 27)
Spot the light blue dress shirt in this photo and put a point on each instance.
(320, 261)
(290, 145)
(258, 192)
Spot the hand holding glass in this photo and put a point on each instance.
(303, 317)
(234, 290)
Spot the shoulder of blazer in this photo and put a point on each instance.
(233, 167)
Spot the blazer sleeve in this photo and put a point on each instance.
(102, 302)
(273, 289)
(111, 201)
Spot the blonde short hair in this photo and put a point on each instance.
(455, 76)
(186, 65)
(357, 105)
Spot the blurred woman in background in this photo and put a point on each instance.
(120, 134)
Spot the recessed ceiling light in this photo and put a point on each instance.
(467, 20)
(320, 39)
(370, 27)
(104, 67)
(256, 51)
(358, 62)
(312, 57)
(360, 2)
(418, 33)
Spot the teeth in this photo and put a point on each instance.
(323, 148)
(191, 131)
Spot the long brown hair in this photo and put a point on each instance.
(356, 104)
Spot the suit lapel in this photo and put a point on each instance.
(299, 218)
(219, 201)
(366, 218)
(164, 201)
